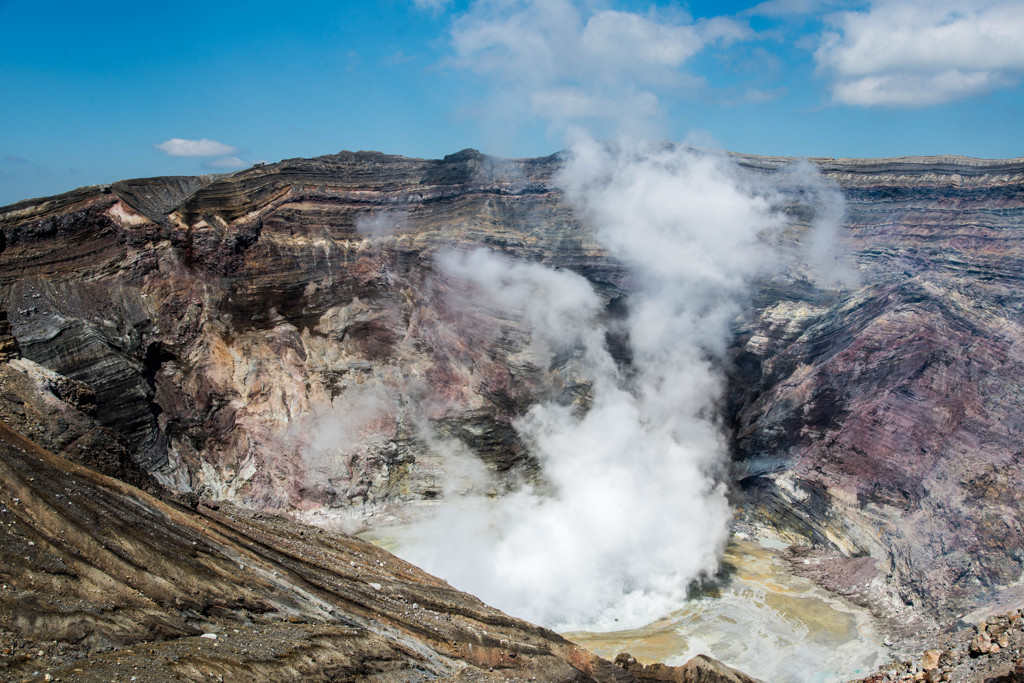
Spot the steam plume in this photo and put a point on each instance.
(634, 510)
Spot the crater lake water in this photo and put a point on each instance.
(760, 618)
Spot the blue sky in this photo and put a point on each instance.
(95, 92)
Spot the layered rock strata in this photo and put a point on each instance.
(101, 581)
(220, 329)
(283, 338)
(885, 421)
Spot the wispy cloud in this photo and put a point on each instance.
(398, 58)
(914, 54)
(431, 5)
(226, 162)
(561, 61)
(754, 96)
(788, 8)
(178, 147)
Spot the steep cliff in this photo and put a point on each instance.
(233, 330)
(886, 421)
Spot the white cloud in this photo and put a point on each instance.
(564, 62)
(178, 147)
(916, 89)
(908, 54)
(754, 96)
(227, 162)
(398, 58)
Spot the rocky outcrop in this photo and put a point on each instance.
(59, 414)
(700, 669)
(235, 329)
(885, 421)
(219, 322)
(990, 652)
(8, 344)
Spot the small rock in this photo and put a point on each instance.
(980, 644)
(211, 636)
(628, 662)
(930, 659)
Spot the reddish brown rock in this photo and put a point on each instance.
(699, 669)
(8, 344)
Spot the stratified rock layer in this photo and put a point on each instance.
(282, 337)
(886, 421)
(100, 581)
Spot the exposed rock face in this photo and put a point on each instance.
(102, 581)
(60, 415)
(988, 653)
(886, 421)
(281, 337)
(216, 326)
(700, 669)
(213, 319)
(8, 344)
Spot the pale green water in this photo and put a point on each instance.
(766, 622)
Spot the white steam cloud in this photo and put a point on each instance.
(382, 224)
(633, 509)
(826, 258)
